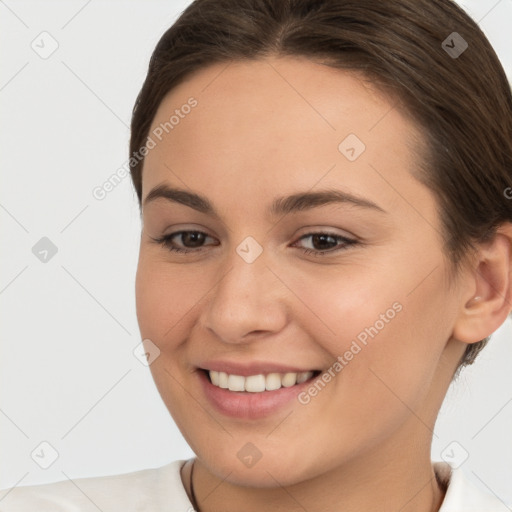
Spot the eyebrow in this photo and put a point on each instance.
(280, 206)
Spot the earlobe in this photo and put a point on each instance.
(491, 299)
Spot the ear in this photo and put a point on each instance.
(488, 301)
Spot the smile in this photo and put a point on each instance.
(258, 383)
(253, 390)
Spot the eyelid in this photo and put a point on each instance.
(346, 243)
(315, 230)
(344, 240)
(184, 231)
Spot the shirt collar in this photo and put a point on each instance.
(462, 494)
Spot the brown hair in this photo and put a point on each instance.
(463, 102)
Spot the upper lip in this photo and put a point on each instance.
(251, 368)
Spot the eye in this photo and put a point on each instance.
(192, 240)
(323, 243)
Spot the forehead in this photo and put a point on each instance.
(278, 124)
(274, 100)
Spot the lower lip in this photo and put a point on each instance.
(247, 405)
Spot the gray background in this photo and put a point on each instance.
(68, 373)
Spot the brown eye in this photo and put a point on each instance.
(326, 242)
(191, 241)
(192, 238)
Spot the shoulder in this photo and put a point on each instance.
(462, 495)
(155, 489)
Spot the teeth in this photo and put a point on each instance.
(236, 383)
(289, 379)
(254, 383)
(258, 383)
(272, 381)
(223, 380)
(303, 376)
(215, 377)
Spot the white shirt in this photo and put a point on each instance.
(161, 490)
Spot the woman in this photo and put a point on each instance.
(326, 242)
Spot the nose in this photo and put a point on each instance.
(247, 302)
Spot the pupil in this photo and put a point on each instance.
(321, 239)
(193, 239)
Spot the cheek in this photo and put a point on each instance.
(165, 297)
(165, 300)
(380, 388)
(386, 340)
(389, 314)
(345, 310)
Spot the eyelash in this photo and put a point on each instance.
(166, 241)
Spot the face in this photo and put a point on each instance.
(311, 248)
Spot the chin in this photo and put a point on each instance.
(268, 472)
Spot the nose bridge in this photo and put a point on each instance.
(247, 296)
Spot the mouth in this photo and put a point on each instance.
(256, 390)
(258, 383)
